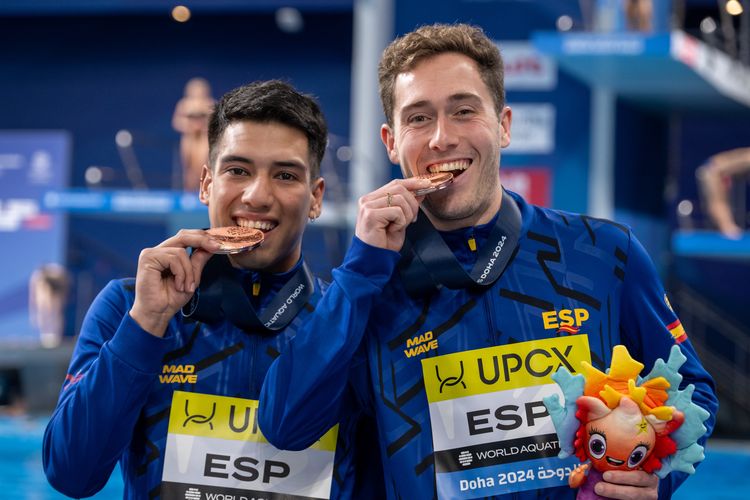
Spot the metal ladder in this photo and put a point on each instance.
(724, 349)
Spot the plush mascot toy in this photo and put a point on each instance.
(620, 421)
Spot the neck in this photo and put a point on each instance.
(480, 216)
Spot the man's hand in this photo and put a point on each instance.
(385, 213)
(635, 484)
(167, 277)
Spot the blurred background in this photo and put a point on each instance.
(617, 104)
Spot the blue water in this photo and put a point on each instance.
(21, 474)
(723, 475)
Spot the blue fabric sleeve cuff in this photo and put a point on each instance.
(369, 261)
(138, 348)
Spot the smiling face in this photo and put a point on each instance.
(621, 440)
(261, 179)
(444, 119)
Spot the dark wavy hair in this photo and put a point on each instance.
(271, 101)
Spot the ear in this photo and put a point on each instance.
(506, 116)
(594, 408)
(205, 186)
(318, 188)
(386, 135)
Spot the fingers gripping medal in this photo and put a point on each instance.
(439, 180)
(236, 239)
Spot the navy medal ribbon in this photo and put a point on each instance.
(222, 295)
(428, 263)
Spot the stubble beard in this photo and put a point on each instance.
(467, 213)
(471, 206)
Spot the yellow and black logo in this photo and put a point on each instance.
(449, 381)
(178, 374)
(502, 368)
(199, 419)
(420, 344)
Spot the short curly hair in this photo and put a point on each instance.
(405, 52)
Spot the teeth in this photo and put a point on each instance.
(256, 224)
(449, 166)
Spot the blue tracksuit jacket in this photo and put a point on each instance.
(571, 275)
(115, 403)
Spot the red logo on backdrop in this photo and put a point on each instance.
(689, 51)
(521, 65)
(532, 183)
(38, 222)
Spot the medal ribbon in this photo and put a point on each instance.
(428, 263)
(222, 295)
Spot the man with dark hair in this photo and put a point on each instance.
(450, 320)
(173, 396)
(266, 102)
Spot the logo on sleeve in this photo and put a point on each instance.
(677, 331)
(71, 379)
(675, 328)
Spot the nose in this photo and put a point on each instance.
(258, 192)
(444, 136)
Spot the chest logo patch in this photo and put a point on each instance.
(178, 374)
(565, 320)
(420, 344)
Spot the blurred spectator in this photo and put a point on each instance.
(715, 179)
(639, 15)
(48, 294)
(191, 120)
(609, 16)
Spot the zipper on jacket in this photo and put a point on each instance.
(255, 299)
(253, 354)
(490, 313)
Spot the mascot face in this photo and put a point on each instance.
(618, 439)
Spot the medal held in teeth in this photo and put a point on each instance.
(236, 239)
(439, 180)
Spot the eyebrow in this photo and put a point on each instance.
(452, 99)
(235, 159)
(250, 161)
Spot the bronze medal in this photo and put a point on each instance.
(236, 239)
(439, 180)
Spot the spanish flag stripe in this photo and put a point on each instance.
(677, 331)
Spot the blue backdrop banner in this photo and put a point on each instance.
(31, 163)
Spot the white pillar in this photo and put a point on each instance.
(373, 30)
(601, 199)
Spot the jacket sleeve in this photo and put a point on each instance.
(112, 368)
(650, 328)
(303, 390)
